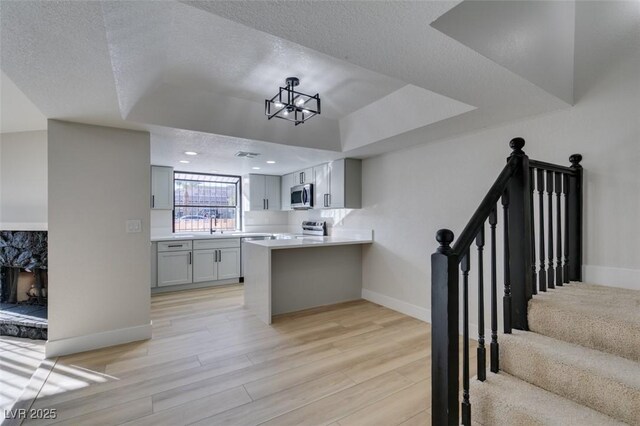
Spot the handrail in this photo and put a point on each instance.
(551, 167)
(483, 211)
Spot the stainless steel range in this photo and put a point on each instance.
(318, 229)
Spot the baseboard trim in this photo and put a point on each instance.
(611, 277)
(406, 308)
(72, 345)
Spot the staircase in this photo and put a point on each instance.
(568, 353)
(578, 365)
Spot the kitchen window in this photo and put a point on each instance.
(206, 201)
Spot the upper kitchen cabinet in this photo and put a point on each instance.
(161, 188)
(338, 184)
(262, 192)
(303, 177)
(285, 190)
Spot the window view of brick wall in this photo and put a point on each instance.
(204, 202)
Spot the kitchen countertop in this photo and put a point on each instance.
(308, 241)
(208, 236)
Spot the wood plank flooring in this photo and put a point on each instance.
(210, 362)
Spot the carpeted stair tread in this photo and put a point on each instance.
(602, 318)
(505, 400)
(599, 380)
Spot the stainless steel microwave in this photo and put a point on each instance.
(302, 197)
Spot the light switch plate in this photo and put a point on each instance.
(134, 226)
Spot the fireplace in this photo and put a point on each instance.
(23, 284)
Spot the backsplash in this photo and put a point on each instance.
(266, 221)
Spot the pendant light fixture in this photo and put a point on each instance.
(289, 104)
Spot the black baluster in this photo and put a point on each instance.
(565, 191)
(466, 405)
(559, 230)
(482, 363)
(506, 300)
(550, 273)
(495, 360)
(534, 287)
(542, 276)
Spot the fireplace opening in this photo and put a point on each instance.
(23, 284)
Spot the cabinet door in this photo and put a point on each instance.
(285, 191)
(257, 192)
(304, 176)
(161, 188)
(336, 184)
(228, 263)
(272, 192)
(174, 267)
(204, 265)
(321, 187)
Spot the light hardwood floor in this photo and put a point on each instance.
(210, 362)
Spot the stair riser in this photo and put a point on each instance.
(601, 393)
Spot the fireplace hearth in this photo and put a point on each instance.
(23, 310)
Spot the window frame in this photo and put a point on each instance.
(238, 205)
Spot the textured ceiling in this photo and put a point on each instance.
(17, 112)
(206, 67)
(217, 153)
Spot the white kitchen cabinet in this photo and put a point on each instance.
(338, 185)
(321, 189)
(303, 177)
(161, 188)
(174, 267)
(262, 192)
(272, 192)
(228, 263)
(285, 190)
(345, 184)
(216, 264)
(205, 265)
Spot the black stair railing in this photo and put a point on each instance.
(514, 189)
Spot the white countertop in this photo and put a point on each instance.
(208, 236)
(308, 241)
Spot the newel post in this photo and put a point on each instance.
(444, 332)
(574, 214)
(520, 235)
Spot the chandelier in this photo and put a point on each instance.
(288, 104)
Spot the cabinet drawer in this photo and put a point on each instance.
(174, 245)
(216, 244)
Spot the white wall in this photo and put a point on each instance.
(408, 195)
(23, 180)
(98, 274)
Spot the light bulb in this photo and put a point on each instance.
(285, 113)
(305, 111)
(278, 104)
(300, 102)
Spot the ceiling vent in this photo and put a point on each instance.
(245, 154)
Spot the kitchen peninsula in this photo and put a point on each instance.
(289, 275)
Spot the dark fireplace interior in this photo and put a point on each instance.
(23, 284)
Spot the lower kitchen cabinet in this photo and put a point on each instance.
(213, 265)
(204, 265)
(229, 263)
(197, 261)
(174, 267)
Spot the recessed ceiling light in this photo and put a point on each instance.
(184, 161)
(271, 162)
(190, 153)
(256, 168)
